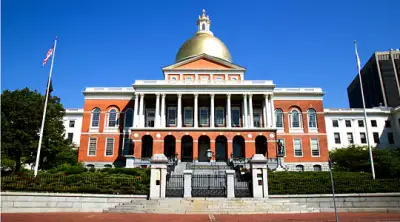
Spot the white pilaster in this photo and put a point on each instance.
(179, 113)
(251, 110)
(212, 111)
(228, 111)
(141, 111)
(162, 121)
(135, 111)
(157, 120)
(196, 111)
(265, 110)
(271, 102)
(245, 119)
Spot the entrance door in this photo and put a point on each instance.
(150, 114)
(187, 149)
(204, 145)
(221, 149)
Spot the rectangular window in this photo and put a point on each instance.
(203, 78)
(314, 147)
(189, 78)
(70, 137)
(218, 78)
(109, 146)
(373, 123)
(257, 119)
(72, 123)
(363, 138)
(235, 116)
(203, 116)
(348, 123)
(92, 147)
(337, 137)
(219, 116)
(361, 123)
(283, 145)
(298, 150)
(350, 138)
(376, 137)
(171, 116)
(388, 124)
(188, 116)
(335, 123)
(390, 138)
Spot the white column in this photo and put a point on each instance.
(251, 110)
(212, 111)
(265, 110)
(196, 111)
(135, 111)
(179, 113)
(271, 102)
(245, 119)
(141, 116)
(162, 121)
(157, 120)
(228, 111)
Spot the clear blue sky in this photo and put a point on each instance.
(113, 43)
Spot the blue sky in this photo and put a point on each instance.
(113, 43)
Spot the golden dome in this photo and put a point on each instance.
(203, 42)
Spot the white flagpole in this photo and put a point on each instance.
(365, 112)
(44, 110)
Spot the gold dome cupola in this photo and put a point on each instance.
(203, 42)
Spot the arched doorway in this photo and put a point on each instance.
(204, 145)
(221, 149)
(147, 147)
(238, 147)
(261, 145)
(169, 146)
(187, 149)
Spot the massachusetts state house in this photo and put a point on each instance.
(204, 105)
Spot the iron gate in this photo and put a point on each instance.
(209, 186)
(243, 186)
(174, 186)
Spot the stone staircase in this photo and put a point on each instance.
(213, 206)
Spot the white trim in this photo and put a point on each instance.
(319, 148)
(301, 147)
(91, 119)
(184, 116)
(223, 116)
(107, 122)
(105, 146)
(95, 151)
(168, 109)
(208, 116)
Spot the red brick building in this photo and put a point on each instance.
(203, 102)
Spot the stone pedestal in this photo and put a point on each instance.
(281, 164)
(130, 161)
(158, 176)
(259, 172)
(230, 183)
(187, 183)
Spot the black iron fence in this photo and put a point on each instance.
(95, 183)
(243, 185)
(209, 186)
(175, 185)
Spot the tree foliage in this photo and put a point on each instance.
(356, 159)
(21, 115)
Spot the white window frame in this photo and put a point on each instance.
(284, 147)
(188, 78)
(203, 77)
(365, 137)
(259, 113)
(276, 118)
(176, 115)
(218, 78)
(105, 146)
(334, 138)
(126, 111)
(320, 167)
(116, 118)
(352, 137)
(235, 108)
(312, 129)
(208, 116)
(318, 147)
(95, 149)
(189, 118)
(147, 117)
(220, 108)
(69, 123)
(91, 119)
(301, 148)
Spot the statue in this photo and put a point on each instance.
(280, 148)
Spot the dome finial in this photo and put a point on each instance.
(203, 23)
(204, 13)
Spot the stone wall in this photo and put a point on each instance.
(13, 202)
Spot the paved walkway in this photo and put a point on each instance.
(99, 217)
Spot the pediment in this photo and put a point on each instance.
(204, 62)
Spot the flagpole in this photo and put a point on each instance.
(44, 110)
(365, 112)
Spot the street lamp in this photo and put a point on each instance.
(209, 154)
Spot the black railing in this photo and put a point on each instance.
(175, 185)
(209, 186)
(97, 183)
(243, 185)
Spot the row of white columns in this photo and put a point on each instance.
(248, 122)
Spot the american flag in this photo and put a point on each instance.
(49, 53)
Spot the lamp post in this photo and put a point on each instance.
(209, 154)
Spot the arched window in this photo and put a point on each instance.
(128, 118)
(279, 118)
(299, 168)
(112, 118)
(95, 117)
(317, 168)
(295, 120)
(312, 118)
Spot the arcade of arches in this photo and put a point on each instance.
(190, 148)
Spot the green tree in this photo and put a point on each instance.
(21, 115)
